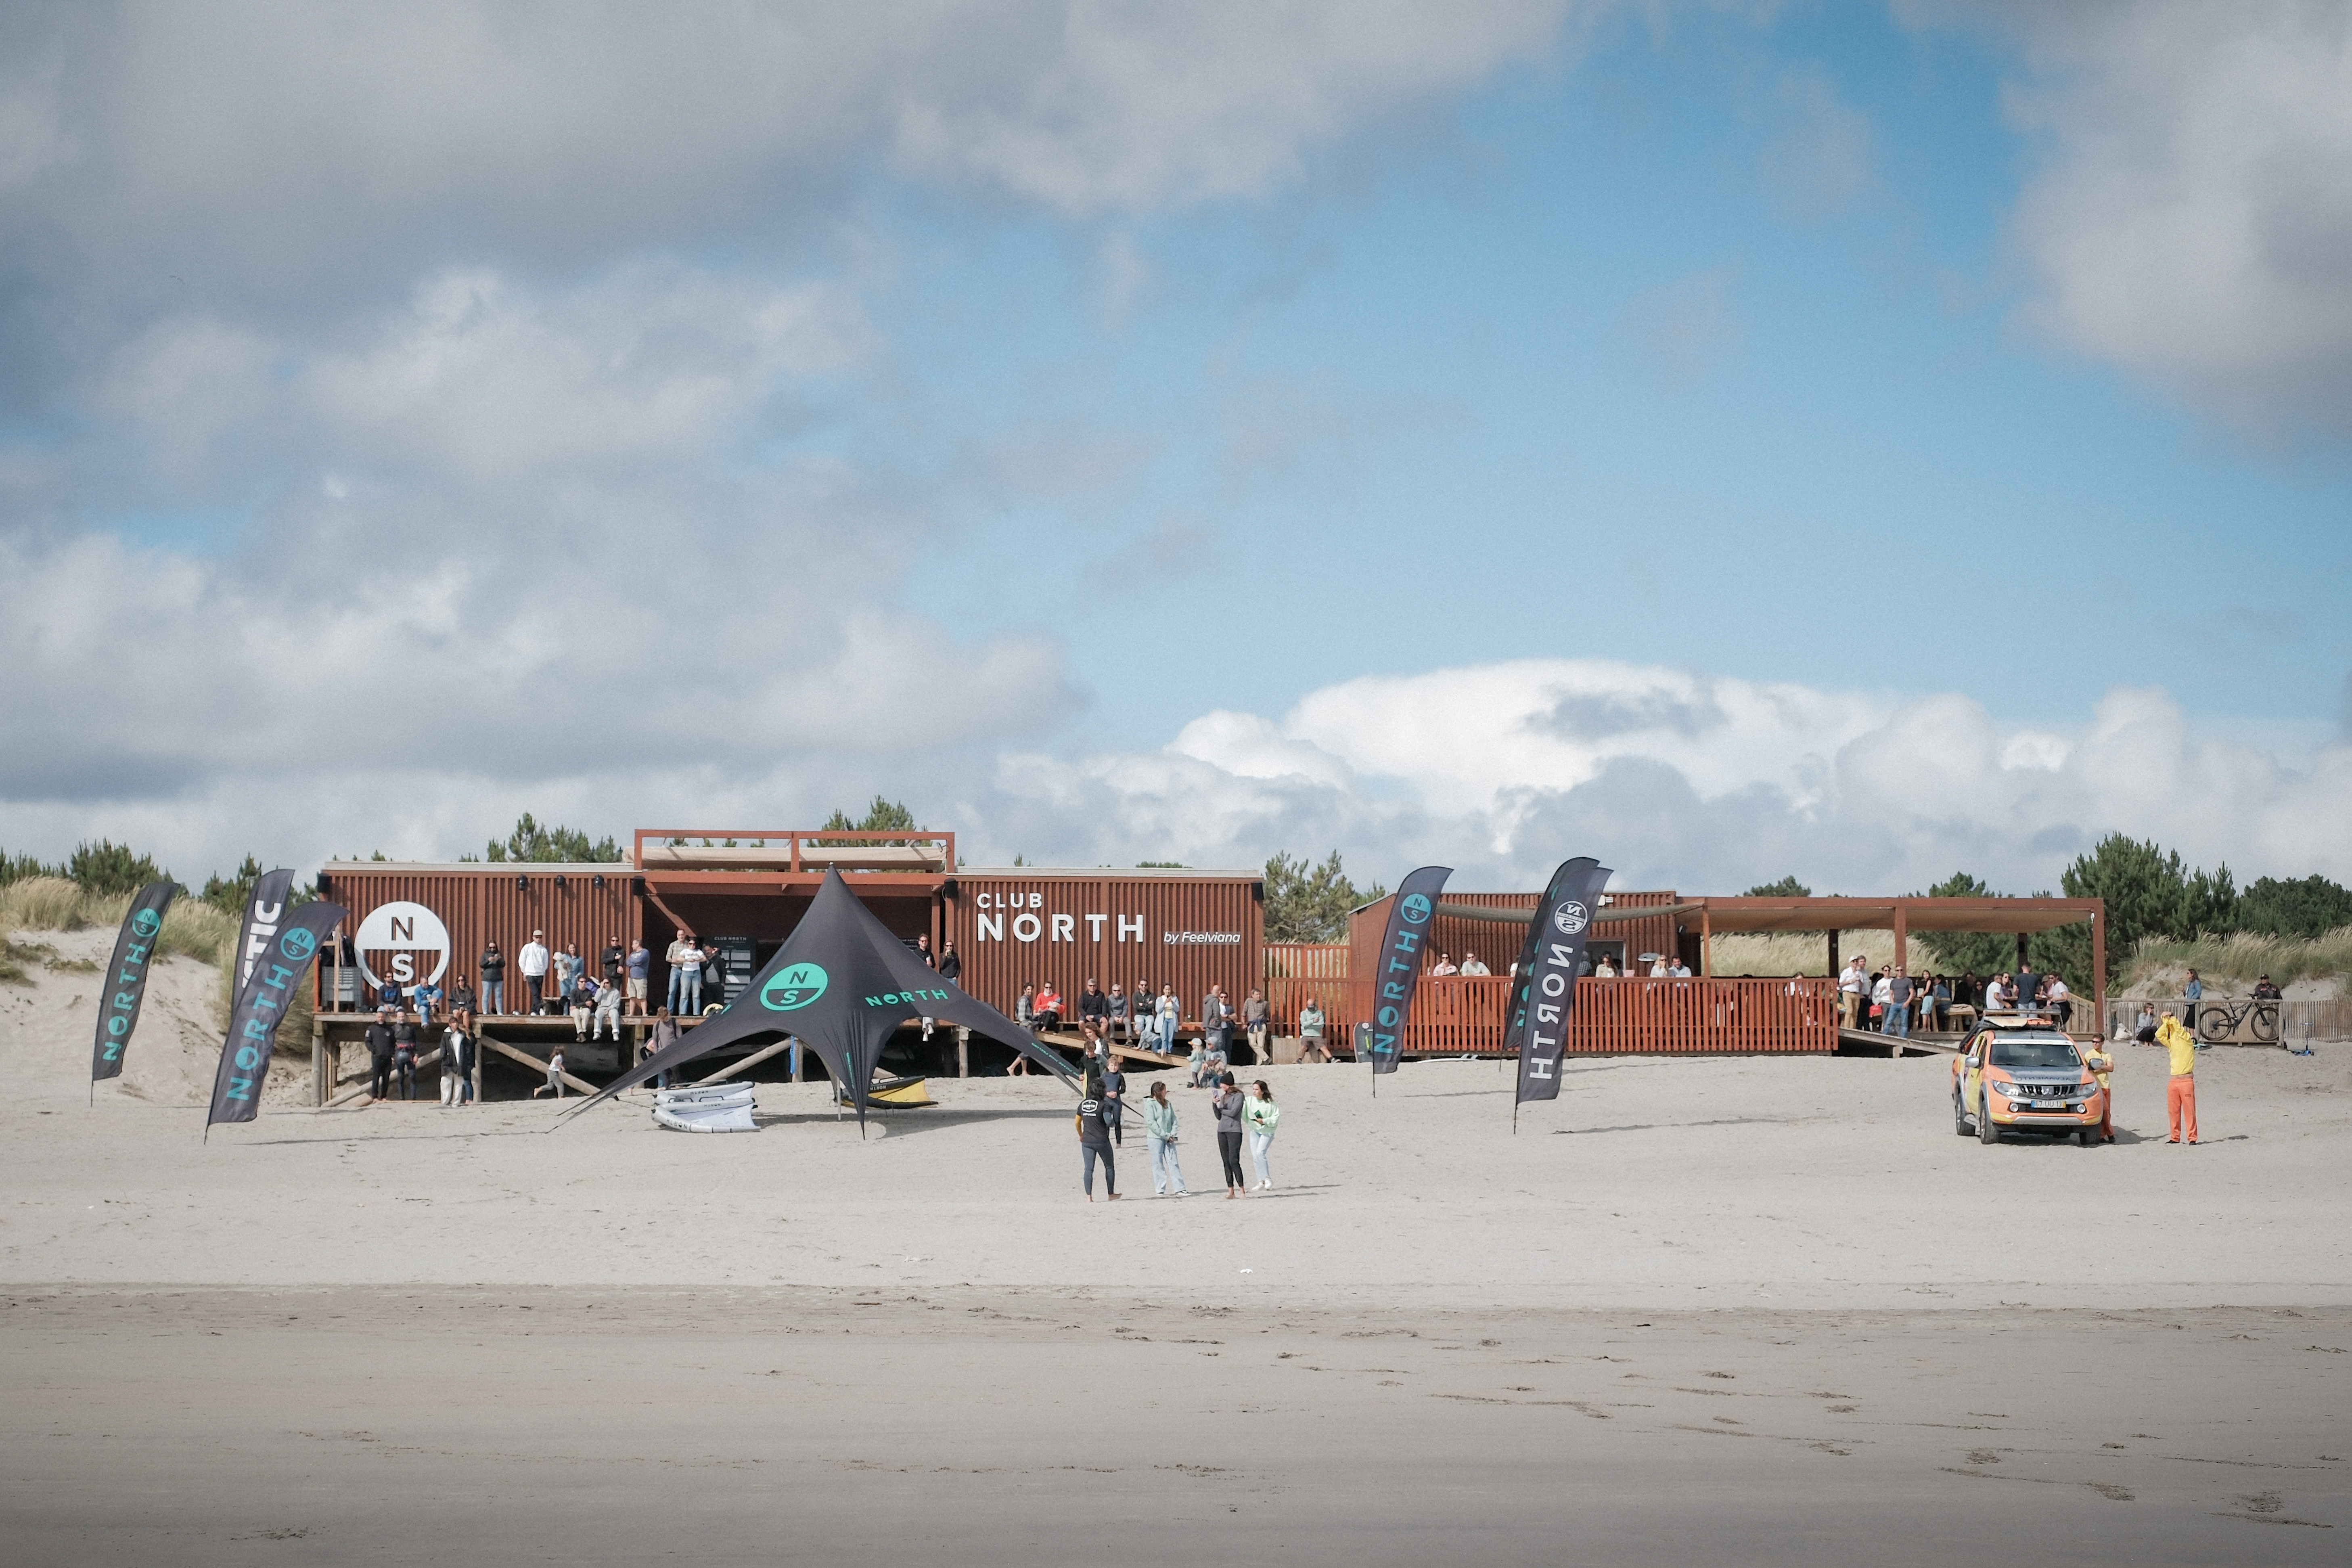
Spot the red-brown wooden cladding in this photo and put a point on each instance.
(1498, 943)
(1001, 951)
(1461, 1014)
(478, 905)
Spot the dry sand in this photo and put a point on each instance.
(394, 1334)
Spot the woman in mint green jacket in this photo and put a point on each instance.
(1159, 1124)
(1259, 1117)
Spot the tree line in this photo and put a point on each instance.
(2151, 893)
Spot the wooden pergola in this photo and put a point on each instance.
(2020, 917)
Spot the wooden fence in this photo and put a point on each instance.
(1307, 959)
(2327, 1020)
(1466, 1014)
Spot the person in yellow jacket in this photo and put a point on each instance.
(2180, 1093)
(2103, 1066)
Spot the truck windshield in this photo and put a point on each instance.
(2029, 1054)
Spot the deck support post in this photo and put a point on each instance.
(2099, 970)
(963, 1052)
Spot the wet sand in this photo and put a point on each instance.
(595, 1426)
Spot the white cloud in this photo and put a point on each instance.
(2192, 219)
(1701, 783)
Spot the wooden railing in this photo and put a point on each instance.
(1466, 1014)
(1307, 959)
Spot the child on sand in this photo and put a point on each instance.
(554, 1075)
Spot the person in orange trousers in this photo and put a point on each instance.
(2180, 1092)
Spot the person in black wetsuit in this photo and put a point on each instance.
(378, 1045)
(403, 1057)
(1094, 1141)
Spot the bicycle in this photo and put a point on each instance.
(2217, 1020)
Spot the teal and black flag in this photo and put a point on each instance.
(126, 978)
(1543, 991)
(261, 1006)
(841, 984)
(1396, 969)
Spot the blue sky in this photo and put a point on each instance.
(1127, 433)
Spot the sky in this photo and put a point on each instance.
(1851, 441)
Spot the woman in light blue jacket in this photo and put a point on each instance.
(1160, 1122)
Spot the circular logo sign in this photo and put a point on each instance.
(792, 987)
(297, 945)
(1416, 908)
(404, 942)
(146, 922)
(1569, 918)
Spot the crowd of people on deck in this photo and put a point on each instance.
(1891, 1002)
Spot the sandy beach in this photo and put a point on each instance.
(1758, 1310)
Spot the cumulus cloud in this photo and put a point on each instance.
(2191, 218)
(1702, 783)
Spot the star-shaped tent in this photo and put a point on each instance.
(841, 983)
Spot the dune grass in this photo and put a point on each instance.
(2244, 957)
(1804, 953)
(192, 929)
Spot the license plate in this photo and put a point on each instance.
(2049, 1105)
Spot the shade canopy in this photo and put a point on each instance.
(841, 984)
(2007, 915)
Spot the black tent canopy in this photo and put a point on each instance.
(842, 984)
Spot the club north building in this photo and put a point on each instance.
(742, 892)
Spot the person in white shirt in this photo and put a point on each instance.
(2062, 1001)
(1444, 965)
(1604, 970)
(1851, 986)
(1882, 991)
(533, 963)
(1470, 965)
(1658, 967)
(2000, 996)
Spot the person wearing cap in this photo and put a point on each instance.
(532, 961)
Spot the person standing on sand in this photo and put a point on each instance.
(403, 1056)
(2180, 1091)
(1159, 1125)
(378, 1045)
(1257, 1023)
(1259, 1114)
(1094, 1143)
(1229, 1106)
(457, 1067)
(664, 1035)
